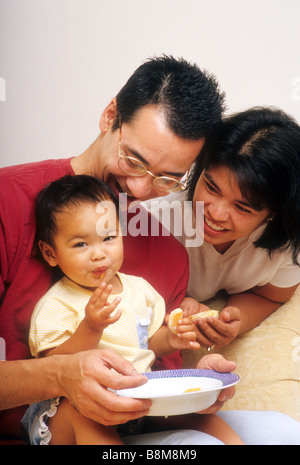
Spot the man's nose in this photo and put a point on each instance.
(140, 186)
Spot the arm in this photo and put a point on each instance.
(164, 342)
(83, 378)
(258, 303)
(242, 312)
(89, 331)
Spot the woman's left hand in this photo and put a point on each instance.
(219, 331)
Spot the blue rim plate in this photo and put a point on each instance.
(225, 380)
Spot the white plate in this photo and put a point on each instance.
(167, 389)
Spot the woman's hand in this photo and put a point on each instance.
(218, 363)
(219, 331)
(213, 331)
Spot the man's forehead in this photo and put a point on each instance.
(152, 142)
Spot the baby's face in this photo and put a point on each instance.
(88, 243)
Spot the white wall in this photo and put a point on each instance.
(62, 60)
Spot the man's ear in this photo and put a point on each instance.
(108, 116)
(48, 253)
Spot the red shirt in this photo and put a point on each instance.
(161, 260)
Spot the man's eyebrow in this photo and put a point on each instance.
(142, 159)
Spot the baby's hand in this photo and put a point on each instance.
(98, 310)
(185, 336)
(191, 306)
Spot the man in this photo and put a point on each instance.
(161, 118)
(150, 135)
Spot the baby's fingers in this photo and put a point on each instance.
(110, 308)
(189, 340)
(191, 335)
(115, 317)
(102, 293)
(185, 325)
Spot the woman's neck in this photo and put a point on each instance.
(222, 248)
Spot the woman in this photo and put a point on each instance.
(249, 182)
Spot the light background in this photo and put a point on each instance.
(61, 61)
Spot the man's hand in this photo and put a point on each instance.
(85, 378)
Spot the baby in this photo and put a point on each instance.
(94, 305)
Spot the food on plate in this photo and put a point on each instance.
(196, 389)
(177, 315)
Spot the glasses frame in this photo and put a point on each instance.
(180, 186)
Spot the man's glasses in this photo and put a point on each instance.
(134, 167)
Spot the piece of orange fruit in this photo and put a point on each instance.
(206, 314)
(174, 318)
(196, 389)
(177, 315)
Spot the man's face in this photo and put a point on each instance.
(147, 139)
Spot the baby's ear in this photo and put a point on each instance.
(48, 253)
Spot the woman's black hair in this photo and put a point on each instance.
(67, 191)
(261, 146)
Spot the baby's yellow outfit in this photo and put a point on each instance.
(60, 310)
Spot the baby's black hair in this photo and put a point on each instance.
(65, 192)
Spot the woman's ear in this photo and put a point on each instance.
(108, 116)
(48, 253)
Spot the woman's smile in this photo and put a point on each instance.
(213, 226)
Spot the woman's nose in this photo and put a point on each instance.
(219, 210)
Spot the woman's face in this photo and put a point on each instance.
(227, 215)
